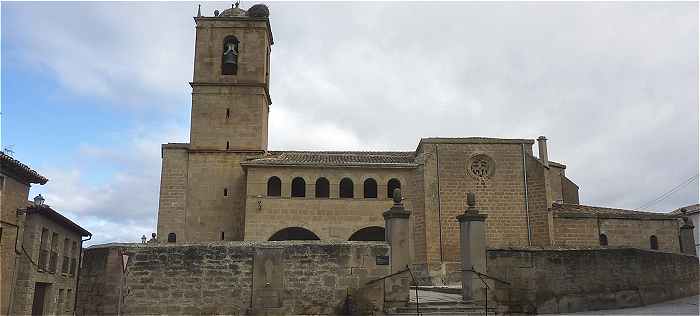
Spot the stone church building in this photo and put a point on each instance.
(226, 185)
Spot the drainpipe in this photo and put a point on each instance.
(77, 279)
(527, 202)
(10, 304)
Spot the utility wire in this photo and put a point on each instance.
(668, 193)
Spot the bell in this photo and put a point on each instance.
(230, 58)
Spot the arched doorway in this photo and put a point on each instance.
(294, 233)
(372, 233)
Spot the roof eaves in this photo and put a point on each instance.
(17, 169)
(57, 217)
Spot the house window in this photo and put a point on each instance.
(274, 186)
(69, 300)
(370, 189)
(603, 239)
(346, 188)
(44, 250)
(322, 188)
(390, 186)
(298, 187)
(654, 242)
(53, 258)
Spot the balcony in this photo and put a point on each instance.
(52, 262)
(65, 265)
(43, 260)
(72, 266)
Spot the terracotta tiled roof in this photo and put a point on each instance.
(373, 159)
(56, 217)
(577, 210)
(15, 168)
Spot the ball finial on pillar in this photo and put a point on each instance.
(397, 196)
(471, 202)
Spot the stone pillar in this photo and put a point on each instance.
(396, 221)
(687, 236)
(472, 245)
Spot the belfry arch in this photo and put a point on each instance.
(293, 233)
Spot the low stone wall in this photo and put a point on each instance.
(271, 278)
(564, 281)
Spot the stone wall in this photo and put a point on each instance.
(621, 232)
(330, 218)
(564, 281)
(13, 195)
(276, 278)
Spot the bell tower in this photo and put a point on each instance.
(230, 88)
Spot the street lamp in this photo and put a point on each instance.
(39, 200)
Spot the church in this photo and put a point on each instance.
(225, 185)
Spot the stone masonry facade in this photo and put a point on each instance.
(218, 186)
(233, 278)
(554, 281)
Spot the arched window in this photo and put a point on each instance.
(653, 242)
(603, 240)
(172, 237)
(298, 187)
(370, 189)
(274, 187)
(322, 188)
(390, 186)
(346, 188)
(372, 233)
(229, 58)
(294, 233)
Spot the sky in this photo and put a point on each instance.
(90, 90)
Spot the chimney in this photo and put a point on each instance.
(542, 146)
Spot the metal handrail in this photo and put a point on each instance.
(388, 276)
(416, 283)
(486, 275)
(408, 269)
(486, 296)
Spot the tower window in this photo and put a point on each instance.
(229, 58)
(274, 187)
(346, 188)
(390, 186)
(298, 187)
(603, 240)
(225, 192)
(228, 113)
(222, 235)
(370, 189)
(322, 188)
(654, 242)
(227, 145)
(172, 237)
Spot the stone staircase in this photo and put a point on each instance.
(444, 308)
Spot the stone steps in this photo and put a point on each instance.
(443, 308)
